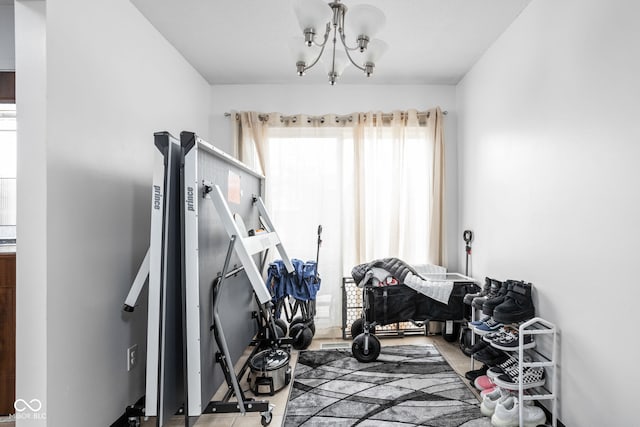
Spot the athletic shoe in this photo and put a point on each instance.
(487, 391)
(511, 342)
(491, 399)
(472, 375)
(503, 368)
(480, 345)
(531, 377)
(478, 322)
(500, 333)
(489, 326)
(507, 414)
(483, 382)
(490, 356)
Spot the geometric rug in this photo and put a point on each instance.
(406, 386)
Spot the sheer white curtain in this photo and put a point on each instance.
(399, 167)
(310, 183)
(373, 180)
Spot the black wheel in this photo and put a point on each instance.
(296, 320)
(283, 326)
(309, 323)
(266, 418)
(301, 335)
(134, 422)
(453, 336)
(357, 327)
(358, 348)
(312, 326)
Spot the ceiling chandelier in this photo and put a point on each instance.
(364, 21)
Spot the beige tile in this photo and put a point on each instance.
(216, 420)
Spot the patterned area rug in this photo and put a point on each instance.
(407, 386)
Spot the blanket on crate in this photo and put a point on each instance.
(378, 271)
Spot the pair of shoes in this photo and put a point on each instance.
(531, 377)
(490, 325)
(480, 345)
(502, 368)
(483, 382)
(472, 375)
(517, 305)
(478, 322)
(508, 367)
(511, 340)
(507, 414)
(502, 332)
(490, 400)
(490, 356)
(494, 288)
(468, 298)
(491, 303)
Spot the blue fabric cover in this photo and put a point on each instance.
(303, 284)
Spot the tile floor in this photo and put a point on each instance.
(451, 352)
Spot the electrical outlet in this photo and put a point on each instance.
(132, 357)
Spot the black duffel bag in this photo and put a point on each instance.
(390, 304)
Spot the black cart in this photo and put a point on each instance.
(384, 305)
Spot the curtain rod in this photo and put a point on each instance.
(345, 116)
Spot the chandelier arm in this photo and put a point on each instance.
(315, 61)
(346, 50)
(326, 36)
(342, 37)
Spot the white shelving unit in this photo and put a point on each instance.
(540, 326)
(535, 326)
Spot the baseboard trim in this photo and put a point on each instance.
(123, 420)
(549, 415)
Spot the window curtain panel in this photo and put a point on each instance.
(250, 140)
(399, 170)
(437, 243)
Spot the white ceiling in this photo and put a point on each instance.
(246, 41)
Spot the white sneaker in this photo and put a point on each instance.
(507, 414)
(491, 399)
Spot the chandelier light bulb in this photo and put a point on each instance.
(312, 16)
(364, 20)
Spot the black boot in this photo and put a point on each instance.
(468, 298)
(490, 304)
(517, 306)
(494, 288)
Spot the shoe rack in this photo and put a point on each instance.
(547, 359)
(544, 356)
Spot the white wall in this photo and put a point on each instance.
(7, 38)
(112, 81)
(31, 259)
(549, 146)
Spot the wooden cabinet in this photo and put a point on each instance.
(7, 332)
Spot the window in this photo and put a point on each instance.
(372, 198)
(374, 181)
(309, 184)
(8, 169)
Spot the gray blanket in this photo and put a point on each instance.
(439, 290)
(396, 267)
